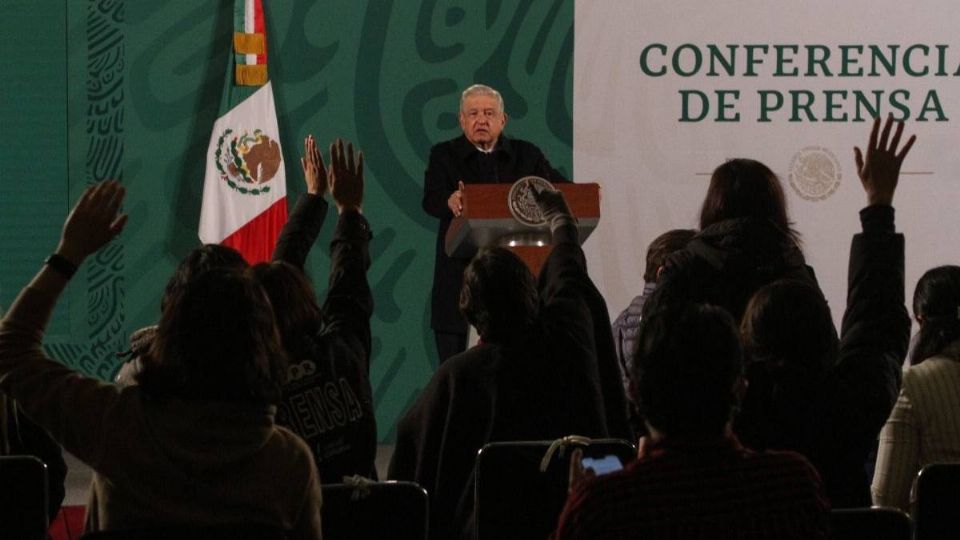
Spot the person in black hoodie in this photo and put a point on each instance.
(327, 398)
(534, 376)
(809, 392)
(746, 240)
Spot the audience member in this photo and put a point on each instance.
(924, 426)
(627, 325)
(201, 259)
(534, 376)
(194, 442)
(746, 240)
(810, 393)
(327, 398)
(692, 478)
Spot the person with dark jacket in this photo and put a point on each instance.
(533, 377)
(482, 155)
(810, 393)
(626, 327)
(327, 398)
(745, 241)
(200, 259)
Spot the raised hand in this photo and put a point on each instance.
(314, 171)
(879, 170)
(93, 222)
(345, 176)
(551, 203)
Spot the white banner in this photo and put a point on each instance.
(665, 91)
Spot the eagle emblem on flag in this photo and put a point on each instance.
(247, 161)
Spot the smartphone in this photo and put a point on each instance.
(603, 465)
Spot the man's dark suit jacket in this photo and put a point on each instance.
(450, 162)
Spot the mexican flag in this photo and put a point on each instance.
(245, 187)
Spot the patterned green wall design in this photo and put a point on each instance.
(385, 74)
(95, 352)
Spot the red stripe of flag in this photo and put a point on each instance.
(257, 238)
(259, 27)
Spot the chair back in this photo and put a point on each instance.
(938, 502)
(373, 510)
(233, 531)
(514, 499)
(871, 524)
(23, 499)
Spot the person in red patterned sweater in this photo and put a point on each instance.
(693, 479)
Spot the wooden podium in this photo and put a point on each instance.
(486, 221)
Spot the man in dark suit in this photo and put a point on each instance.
(482, 155)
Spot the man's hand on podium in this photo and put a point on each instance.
(455, 201)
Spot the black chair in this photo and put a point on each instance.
(238, 531)
(871, 524)
(23, 499)
(514, 499)
(374, 510)
(938, 502)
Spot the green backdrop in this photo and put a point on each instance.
(111, 88)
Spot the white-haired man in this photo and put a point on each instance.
(482, 155)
